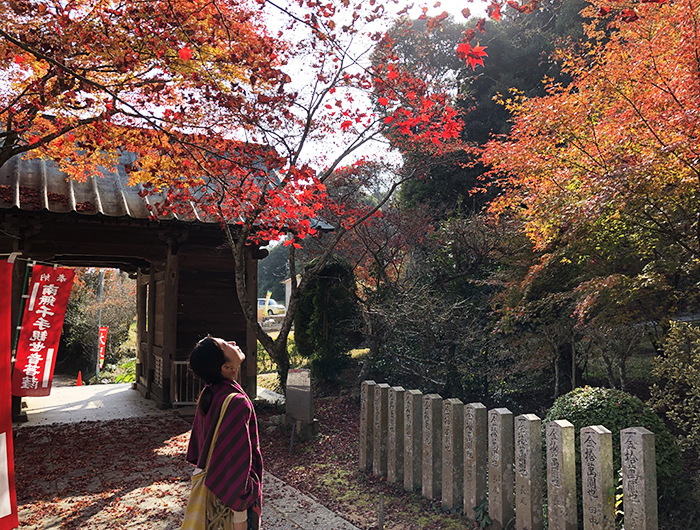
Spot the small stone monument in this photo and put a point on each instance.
(561, 475)
(367, 424)
(528, 472)
(381, 429)
(639, 496)
(300, 403)
(500, 457)
(452, 454)
(475, 458)
(394, 472)
(598, 487)
(413, 440)
(432, 446)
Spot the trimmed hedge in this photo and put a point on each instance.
(617, 410)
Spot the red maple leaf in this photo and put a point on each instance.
(346, 125)
(494, 11)
(480, 25)
(383, 101)
(473, 55)
(185, 53)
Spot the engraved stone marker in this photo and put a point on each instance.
(500, 459)
(639, 479)
(413, 440)
(475, 457)
(381, 429)
(528, 472)
(367, 424)
(394, 472)
(452, 453)
(432, 446)
(298, 399)
(561, 475)
(598, 487)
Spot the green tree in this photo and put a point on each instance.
(273, 270)
(327, 323)
(116, 311)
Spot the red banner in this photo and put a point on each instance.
(44, 311)
(103, 345)
(8, 499)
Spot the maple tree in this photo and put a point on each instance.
(198, 91)
(603, 175)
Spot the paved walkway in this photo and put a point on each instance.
(283, 508)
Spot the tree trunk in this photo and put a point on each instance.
(622, 370)
(573, 365)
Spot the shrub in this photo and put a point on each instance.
(676, 393)
(617, 410)
(328, 320)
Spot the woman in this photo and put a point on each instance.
(235, 469)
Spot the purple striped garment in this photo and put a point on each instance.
(236, 467)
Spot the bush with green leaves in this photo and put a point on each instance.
(328, 321)
(676, 394)
(617, 410)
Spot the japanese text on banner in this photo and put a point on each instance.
(42, 323)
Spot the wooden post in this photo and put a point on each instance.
(170, 284)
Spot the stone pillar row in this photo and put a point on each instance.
(446, 450)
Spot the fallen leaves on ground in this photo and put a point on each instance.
(132, 473)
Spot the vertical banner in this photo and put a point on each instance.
(103, 345)
(267, 301)
(8, 499)
(42, 323)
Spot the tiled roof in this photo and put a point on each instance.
(39, 185)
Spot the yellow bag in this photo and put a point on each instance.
(203, 512)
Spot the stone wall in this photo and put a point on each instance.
(463, 454)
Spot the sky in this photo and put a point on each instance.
(454, 7)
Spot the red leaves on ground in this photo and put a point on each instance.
(112, 474)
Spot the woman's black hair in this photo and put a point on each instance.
(206, 361)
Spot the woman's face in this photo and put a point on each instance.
(234, 357)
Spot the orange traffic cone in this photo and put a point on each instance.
(80, 379)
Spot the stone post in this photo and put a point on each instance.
(475, 457)
(500, 458)
(367, 424)
(432, 446)
(413, 440)
(381, 429)
(394, 471)
(598, 486)
(561, 475)
(452, 454)
(528, 472)
(639, 497)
